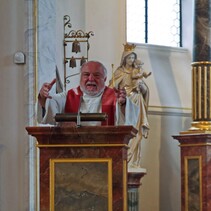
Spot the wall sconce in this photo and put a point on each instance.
(19, 58)
(75, 41)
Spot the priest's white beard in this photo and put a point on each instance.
(92, 93)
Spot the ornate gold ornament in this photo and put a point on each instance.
(129, 47)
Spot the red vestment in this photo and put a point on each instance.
(108, 103)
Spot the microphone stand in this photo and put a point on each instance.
(79, 114)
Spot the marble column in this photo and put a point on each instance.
(201, 68)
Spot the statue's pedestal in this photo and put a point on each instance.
(134, 182)
(195, 171)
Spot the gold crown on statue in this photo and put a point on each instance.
(129, 47)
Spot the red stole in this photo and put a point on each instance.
(108, 103)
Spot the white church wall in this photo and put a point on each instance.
(14, 180)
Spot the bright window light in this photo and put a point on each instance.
(154, 22)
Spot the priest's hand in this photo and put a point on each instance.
(44, 92)
(121, 96)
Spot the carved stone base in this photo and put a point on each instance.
(134, 182)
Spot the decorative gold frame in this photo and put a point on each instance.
(125, 193)
(75, 160)
(186, 165)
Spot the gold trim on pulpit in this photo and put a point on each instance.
(37, 182)
(94, 188)
(81, 145)
(194, 145)
(193, 182)
(125, 196)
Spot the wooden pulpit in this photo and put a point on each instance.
(82, 168)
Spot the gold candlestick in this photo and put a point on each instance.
(113, 84)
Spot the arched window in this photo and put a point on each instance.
(154, 22)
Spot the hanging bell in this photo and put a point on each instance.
(76, 46)
(83, 60)
(72, 62)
